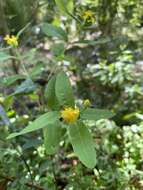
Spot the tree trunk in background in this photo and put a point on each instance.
(3, 23)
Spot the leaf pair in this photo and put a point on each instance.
(59, 94)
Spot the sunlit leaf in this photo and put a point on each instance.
(50, 94)
(41, 122)
(95, 114)
(83, 144)
(64, 92)
(52, 137)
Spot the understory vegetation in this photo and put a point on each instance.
(71, 95)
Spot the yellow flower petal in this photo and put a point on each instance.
(70, 115)
(88, 16)
(11, 40)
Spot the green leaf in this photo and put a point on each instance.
(31, 143)
(95, 114)
(64, 92)
(41, 122)
(37, 70)
(65, 6)
(11, 79)
(54, 31)
(50, 94)
(52, 137)
(58, 50)
(26, 87)
(7, 103)
(4, 56)
(83, 144)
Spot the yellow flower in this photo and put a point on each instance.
(11, 40)
(70, 115)
(88, 16)
(87, 103)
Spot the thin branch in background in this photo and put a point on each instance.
(25, 162)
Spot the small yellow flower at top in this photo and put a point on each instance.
(70, 115)
(11, 40)
(87, 103)
(88, 16)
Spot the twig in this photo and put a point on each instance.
(25, 162)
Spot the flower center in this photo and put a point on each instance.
(70, 115)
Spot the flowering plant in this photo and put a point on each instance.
(64, 116)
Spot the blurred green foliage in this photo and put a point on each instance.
(104, 62)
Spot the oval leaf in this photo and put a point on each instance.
(40, 122)
(83, 145)
(54, 31)
(52, 137)
(95, 114)
(25, 87)
(50, 94)
(64, 92)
